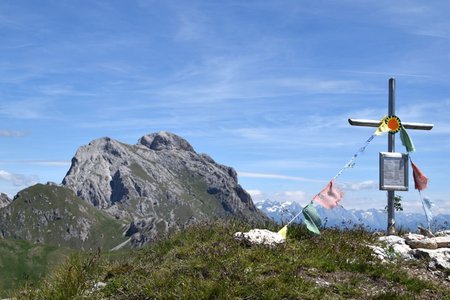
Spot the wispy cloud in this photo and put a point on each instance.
(384, 74)
(286, 164)
(421, 18)
(192, 25)
(18, 179)
(257, 195)
(428, 111)
(357, 186)
(443, 208)
(295, 196)
(12, 133)
(26, 109)
(47, 163)
(319, 85)
(43, 163)
(58, 90)
(276, 176)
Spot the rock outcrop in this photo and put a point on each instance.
(4, 200)
(158, 184)
(436, 249)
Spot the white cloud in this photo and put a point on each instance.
(18, 179)
(296, 196)
(276, 176)
(11, 133)
(45, 163)
(255, 192)
(252, 133)
(26, 109)
(286, 164)
(257, 195)
(49, 163)
(442, 209)
(320, 85)
(357, 186)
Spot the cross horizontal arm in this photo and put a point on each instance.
(376, 123)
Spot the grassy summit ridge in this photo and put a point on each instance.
(205, 262)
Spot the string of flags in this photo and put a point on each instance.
(330, 196)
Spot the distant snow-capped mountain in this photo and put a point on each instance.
(372, 219)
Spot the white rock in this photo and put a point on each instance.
(420, 241)
(440, 258)
(413, 237)
(404, 251)
(427, 243)
(392, 239)
(260, 237)
(379, 252)
(99, 285)
(442, 233)
(397, 245)
(442, 241)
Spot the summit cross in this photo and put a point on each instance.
(391, 146)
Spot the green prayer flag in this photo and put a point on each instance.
(312, 218)
(406, 140)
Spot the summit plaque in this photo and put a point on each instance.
(393, 171)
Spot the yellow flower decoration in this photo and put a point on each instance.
(393, 123)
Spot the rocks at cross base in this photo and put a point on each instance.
(435, 249)
(419, 241)
(260, 237)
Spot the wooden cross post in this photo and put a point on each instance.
(391, 147)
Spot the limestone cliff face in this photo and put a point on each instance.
(158, 184)
(4, 200)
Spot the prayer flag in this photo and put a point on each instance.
(283, 232)
(427, 204)
(330, 196)
(420, 180)
(383, 128)
(406, 140)
(312, 218)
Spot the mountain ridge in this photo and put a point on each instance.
(371, 219)
(152, 188)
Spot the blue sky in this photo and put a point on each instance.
(263, 86)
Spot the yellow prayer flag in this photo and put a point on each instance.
(383, 128)
(283, 232)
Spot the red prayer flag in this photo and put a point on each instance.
(420, 180)
(330, 196)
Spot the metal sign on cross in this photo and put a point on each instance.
(391, 147)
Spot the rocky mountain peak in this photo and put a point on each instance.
(158, 184)
(165, 141)
(4, 200)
